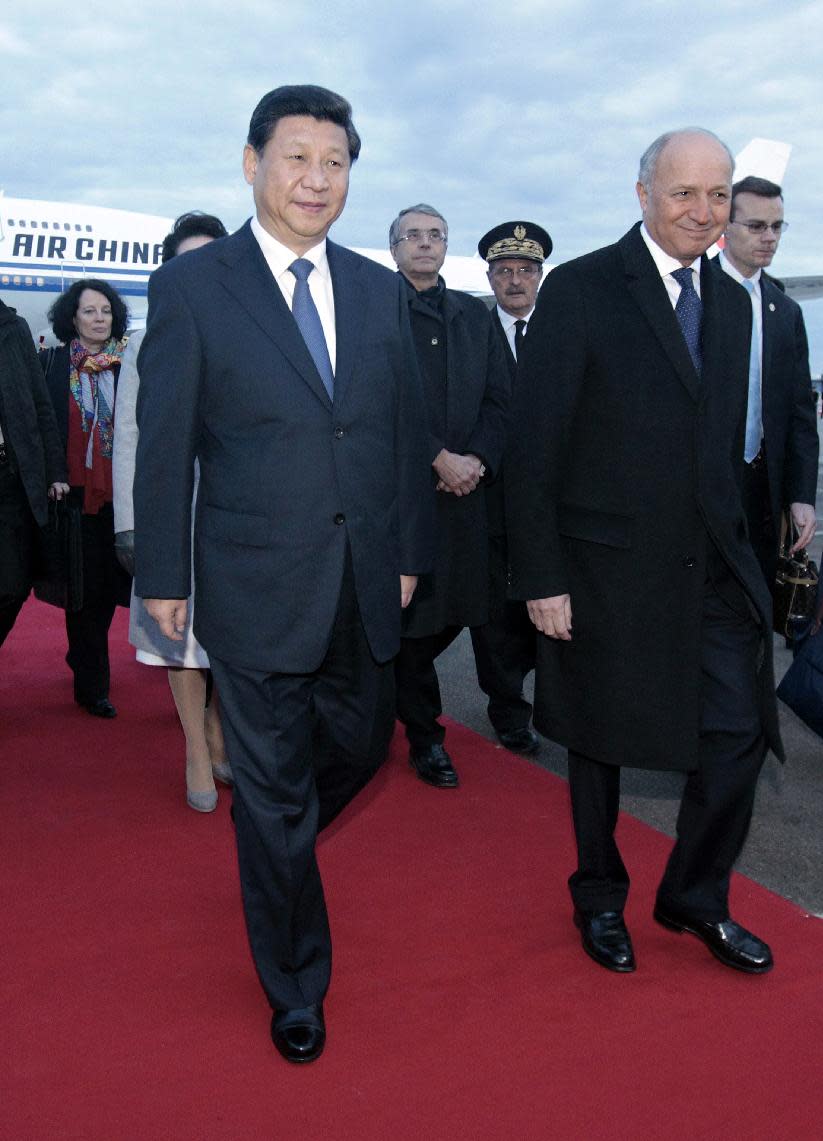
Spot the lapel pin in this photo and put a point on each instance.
(771, 307)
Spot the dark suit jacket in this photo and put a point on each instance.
(287, 481)
(26, 414)
(789, 423)
(623, 489)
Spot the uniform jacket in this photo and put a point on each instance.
(288, 480)
(624, 491)
(467, 398)
(26, 414)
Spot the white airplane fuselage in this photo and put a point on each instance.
(45, 246)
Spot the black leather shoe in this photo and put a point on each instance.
(523, 741)
(434, 765)
(100, 708)
(299, 1035)
(606, 939)
(727, 940)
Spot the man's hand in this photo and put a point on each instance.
(58, 490)
(552, 616)
(408, 585)
(804, 519)
(458, 474)
(169, 614)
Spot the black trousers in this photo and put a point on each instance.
(18, 536)
(105, 584)
(280, 730)
(764, 529)
(718, 798)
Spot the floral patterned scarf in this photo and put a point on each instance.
(91, 384)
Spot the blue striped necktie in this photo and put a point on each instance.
(308, 321)
(689, 312)
(754, 412)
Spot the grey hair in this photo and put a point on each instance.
(648, 162)
(420, 208)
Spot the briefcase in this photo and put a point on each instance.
(59, 576)
(795, 586)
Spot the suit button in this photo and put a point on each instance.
(339, 518)
(689, 563)
(338, 433)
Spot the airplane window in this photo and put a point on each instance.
(66, 226)
(55, 225)
(88, 228)
(10, 221)
(77, 226)
(21, 223)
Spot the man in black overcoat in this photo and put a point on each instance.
(32, 463)
(781, 446)
(504, 647)
(466, 387)
(284, 364)
(628, 539)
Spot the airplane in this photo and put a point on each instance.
(45, 246)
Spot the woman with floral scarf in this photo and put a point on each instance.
(90, 319)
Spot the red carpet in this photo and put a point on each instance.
(462, 1007)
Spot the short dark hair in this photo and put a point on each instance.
(754, 185)
(62, 313)
(195, 224)
(301, 99)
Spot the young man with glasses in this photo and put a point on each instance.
(466, 388)
(781, 435)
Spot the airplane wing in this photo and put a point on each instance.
(803, 288)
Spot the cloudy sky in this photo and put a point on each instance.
(489, 110)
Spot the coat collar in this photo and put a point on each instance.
(646, 287)
(248, 278)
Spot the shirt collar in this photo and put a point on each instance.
(734, 273)
(665, 262)
(280, 257)
(506, 319)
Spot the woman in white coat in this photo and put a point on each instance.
(187, 662)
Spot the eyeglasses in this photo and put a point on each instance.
(507, 273)
(433, 236)
(762, 227)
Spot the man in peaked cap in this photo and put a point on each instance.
(504, 647)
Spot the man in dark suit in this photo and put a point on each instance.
(504, 646)
(32, 463)
(627, 537)
(781, 447)
(466, 388)
(284, 364)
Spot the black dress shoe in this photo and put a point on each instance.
(727, 940)
(100, 708)
(299, 1035)
(606, 939)
(434, 765)
(523, 740)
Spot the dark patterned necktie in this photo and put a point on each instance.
(519, 337)
(689, 312)
(308, 322)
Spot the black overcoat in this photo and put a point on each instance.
(467, 399)
(622, 485)
(28, 417)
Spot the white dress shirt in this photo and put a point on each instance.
(666, 265)
(508, 322)
(756, 296)
(279, 258)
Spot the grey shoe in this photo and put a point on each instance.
(222, 772)
(202, 801)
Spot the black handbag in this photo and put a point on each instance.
(802, 686)
(59, 578)
(795, 587)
